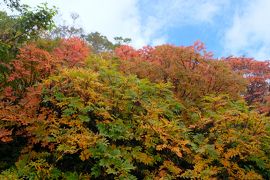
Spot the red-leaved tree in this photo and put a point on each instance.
(72, 51)
(257, 73)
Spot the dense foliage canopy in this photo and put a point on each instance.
(86, 108)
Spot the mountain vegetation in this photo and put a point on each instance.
(79, 106)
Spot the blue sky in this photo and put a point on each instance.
(227, 27)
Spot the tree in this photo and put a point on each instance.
(99, 43)
(191, 70)
(121, 41)
(31, 66)
(66, 31)
(72, 52)
(257, 73)
(13, 4)
(26, 26)
(18, 30)
(34, 64)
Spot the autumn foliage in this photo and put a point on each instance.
(192, 70)
(34, 64)
(164, 112)
(72, 51)
(257, 73)
(31, 66)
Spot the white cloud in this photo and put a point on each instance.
(127, 17)
(110, 17)
(189, 12)
(249, 33)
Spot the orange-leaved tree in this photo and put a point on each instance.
(192, 70)
(31, 66)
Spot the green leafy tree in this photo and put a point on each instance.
(16, 31)
(121, 41)
(13, 4)
(99, 43)
(66, 31)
